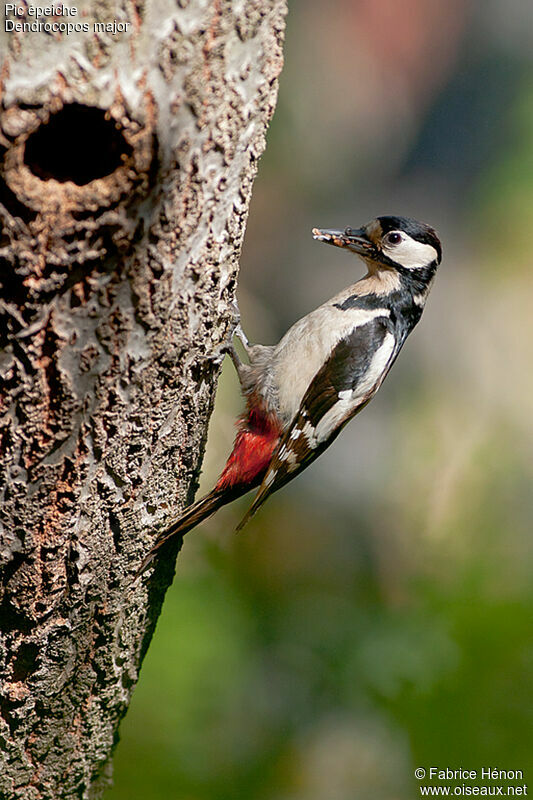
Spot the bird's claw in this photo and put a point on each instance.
(236, 330)
(241, 336)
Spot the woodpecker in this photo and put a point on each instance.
(301, 392)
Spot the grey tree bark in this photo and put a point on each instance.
(127, 161)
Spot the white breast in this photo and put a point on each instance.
(306, 347)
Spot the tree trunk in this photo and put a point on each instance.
(127, 161)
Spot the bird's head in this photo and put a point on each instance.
(389, 242)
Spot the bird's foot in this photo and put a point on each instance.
(237, 331)
(242, 337)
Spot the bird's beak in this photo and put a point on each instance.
(354, 239)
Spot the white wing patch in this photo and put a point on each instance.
(269, 478)
(288, 456)
(349, 399)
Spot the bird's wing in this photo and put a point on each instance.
(342, 387)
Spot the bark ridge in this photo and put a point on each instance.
(126, 168)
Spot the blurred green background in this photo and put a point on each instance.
(377, 615)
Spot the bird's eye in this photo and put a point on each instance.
(394, 237)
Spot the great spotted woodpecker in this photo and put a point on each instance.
(328, 366)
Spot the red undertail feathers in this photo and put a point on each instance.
(256, 440)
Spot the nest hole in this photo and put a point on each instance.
(79, 144)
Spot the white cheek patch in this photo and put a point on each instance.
(410, 254)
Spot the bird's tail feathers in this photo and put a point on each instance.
(192, 516)
(258, 502)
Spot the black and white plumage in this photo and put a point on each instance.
(301, 392)
(365, 327)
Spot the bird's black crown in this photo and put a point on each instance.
(413, 228)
